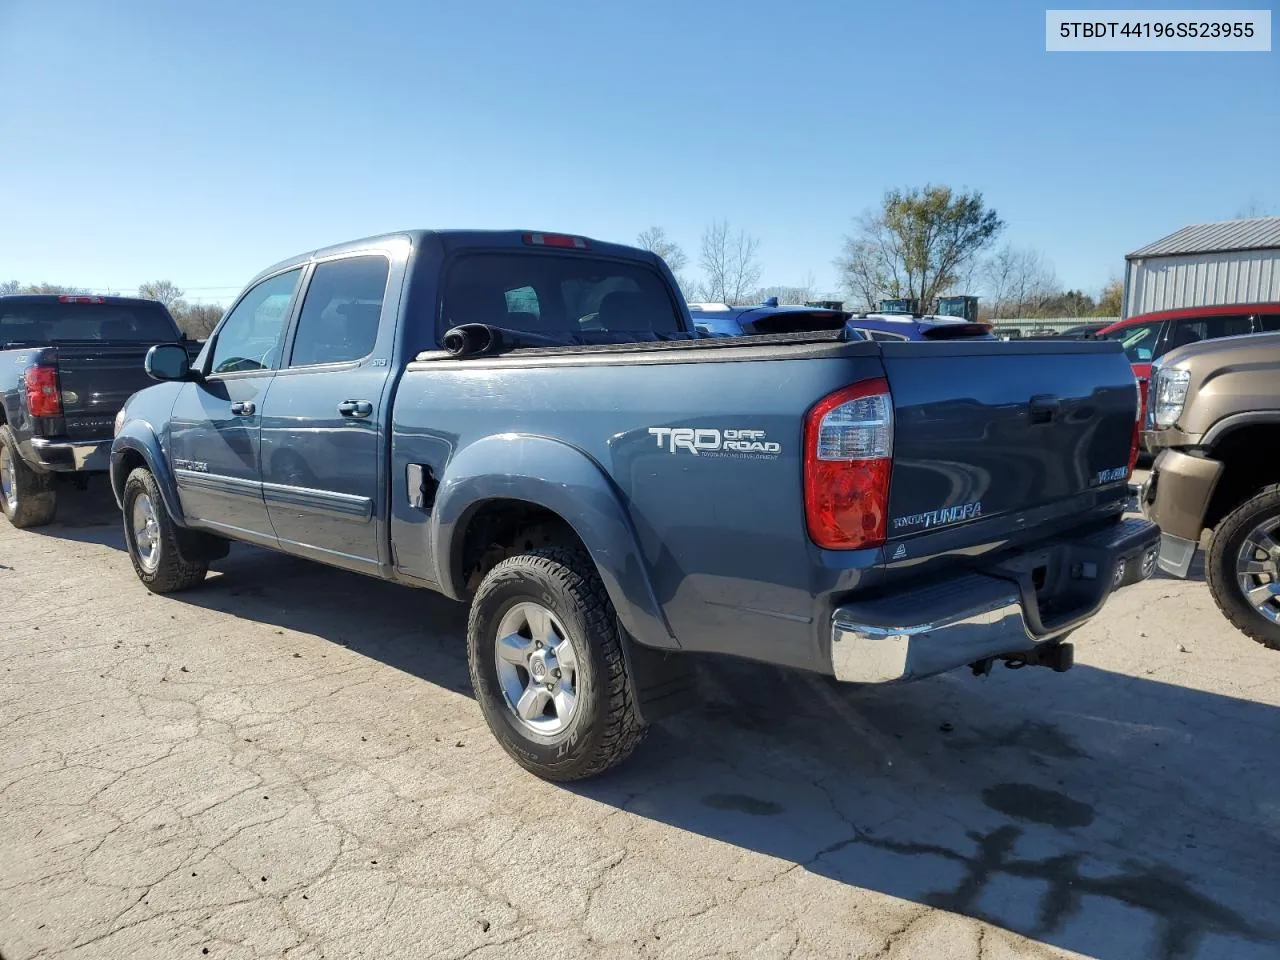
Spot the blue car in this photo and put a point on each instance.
(720, 319)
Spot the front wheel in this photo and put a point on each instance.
(547, 665)
(153, 539)
(1243, 567)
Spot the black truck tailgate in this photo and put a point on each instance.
(96, 378)
(986, 429)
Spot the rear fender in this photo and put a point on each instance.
(138, 436)
(564, 480)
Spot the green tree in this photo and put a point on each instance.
(918, 244)
(1111, 303)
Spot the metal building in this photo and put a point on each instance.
(1204, 265)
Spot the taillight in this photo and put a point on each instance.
(848, 455)
(555, 240)
(70, 299)
(1136, 441)
(43, 398)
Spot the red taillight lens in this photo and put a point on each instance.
(69, 299)
(1135, 444)
(43, 398)
(555, 240)
(848, 456)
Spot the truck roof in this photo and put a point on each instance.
(454, 239)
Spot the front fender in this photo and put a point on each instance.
(564, 480)
(139, 437)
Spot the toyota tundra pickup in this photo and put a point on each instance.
(67, 364)
(529, 423)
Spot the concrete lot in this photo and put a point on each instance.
(287, 763)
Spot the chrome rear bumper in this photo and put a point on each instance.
(976, 616)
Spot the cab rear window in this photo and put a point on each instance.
(53, 322)
(567, 298)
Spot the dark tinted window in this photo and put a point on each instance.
(1182, 332)
(339, 319)
(1269, 322)
(48, 321)
(249, 338)
(558, 296)
(1139, 341)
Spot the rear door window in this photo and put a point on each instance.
(1194, 329)
(341, 311)
(562, 298)
(1269, 322)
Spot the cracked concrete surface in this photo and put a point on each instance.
(287, 763)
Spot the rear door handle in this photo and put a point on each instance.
(243, 408)
(355, 408)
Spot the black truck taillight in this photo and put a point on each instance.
(43, 397)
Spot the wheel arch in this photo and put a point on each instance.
(137, 446)
(512, 483)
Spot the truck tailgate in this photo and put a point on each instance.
(96, 378)
(985, 429)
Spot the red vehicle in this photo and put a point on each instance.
(1148, 336)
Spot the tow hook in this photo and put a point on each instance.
(1059, 657)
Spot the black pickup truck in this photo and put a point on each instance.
(67, 365)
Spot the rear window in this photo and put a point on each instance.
(566, 298)
(46, 322)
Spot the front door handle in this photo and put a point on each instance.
(243, 408)
(355, 408)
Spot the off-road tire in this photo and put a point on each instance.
(37, 499)
(606, 726)
(174, 570)
(1220, 566)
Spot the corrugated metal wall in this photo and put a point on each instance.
(1202, 280)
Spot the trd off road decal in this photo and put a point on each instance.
(707, 442)
(939, 518)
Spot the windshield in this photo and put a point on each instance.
(1139, 341)
(565, 298)
(51, 321)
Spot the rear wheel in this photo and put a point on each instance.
(1243, 567)
(154, 541)
(26, 497)
(547, 665)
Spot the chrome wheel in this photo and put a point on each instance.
(537, 668)
(8, 480)
(146, 532)
(1258, 569)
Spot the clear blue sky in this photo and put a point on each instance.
(200, 142)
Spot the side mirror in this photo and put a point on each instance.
(168, 361)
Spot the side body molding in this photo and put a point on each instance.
(138, 436)
(563, 479)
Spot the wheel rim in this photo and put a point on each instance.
(8, 482)
(146, 532)
(1258, 569)
(537, 668)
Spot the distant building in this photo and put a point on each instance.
(1204, 265)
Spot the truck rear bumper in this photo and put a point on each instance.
(977, 616)
(65, 456)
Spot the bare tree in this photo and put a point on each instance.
(1111, 302)
(1017, 282)
(10, 287)
(1256, 208)
(164, 291)
(199, 319)
(655, 239)
(919, 243)
(789, 295)
(729, 264)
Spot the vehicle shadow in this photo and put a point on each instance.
(1107, 814)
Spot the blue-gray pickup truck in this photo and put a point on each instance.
(529, 423)
(67, 364)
